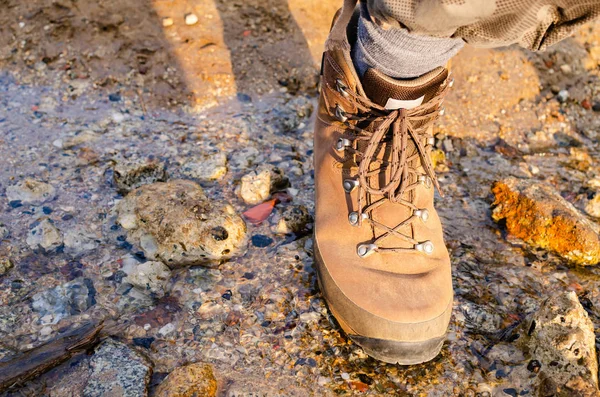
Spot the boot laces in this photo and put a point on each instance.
(400, 174)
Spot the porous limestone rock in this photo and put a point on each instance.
(176, 223)
(560, 337)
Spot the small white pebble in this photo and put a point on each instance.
(21, 25)
(191, 19)
(345, 376)
(167, 21)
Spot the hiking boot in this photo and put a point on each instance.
(382, 264)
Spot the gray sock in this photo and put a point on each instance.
(398, 53)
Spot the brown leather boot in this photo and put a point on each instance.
(382, 264)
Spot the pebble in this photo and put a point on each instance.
(129, 174)
(211, 168)
(592, 206)
(150, 277)
(345, 376)
(188, 381)
(256, 187)
(176, 223)
(294, 219)
(166, 330)
(72, 298)
(116, 370)
(191, 19)
(167, 21)
(562, 96)
(44, 235)
(4, 232)
(31, 191)
(79, 241)
(5, 265)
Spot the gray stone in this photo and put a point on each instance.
(176, 223)
(150, 277)
(5, 265)
(72, 298)
(118, 371)
(30, 191)
(560, 336)
(44, 235)
(294, 219)
(562, 96)
(130, 174)
(79, 241)
(210, 168)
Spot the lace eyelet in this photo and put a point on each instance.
(350, 185)
(340, 113)
(364, 250)
(342, 144)
(424, 180)
(353, 218)
(425, 247)
(341, 88)
(422, 213)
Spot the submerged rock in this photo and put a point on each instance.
(256, 187)
(131, 174)
(118, 371)
(210, 168)
(74, 297)
(176, 223)
(538, 215)
(560, 340)
(45, 235)
(294, 219)
(5, 265)
(150, 277)
(79, 241)
(31, 191)
(189, 381)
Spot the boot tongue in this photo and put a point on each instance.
(402, 94)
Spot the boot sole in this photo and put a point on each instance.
(402, 353)
(388, 351)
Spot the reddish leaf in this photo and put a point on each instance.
(260, 212)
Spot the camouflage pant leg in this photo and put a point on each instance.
(534, 24)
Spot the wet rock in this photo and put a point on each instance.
(294, 219)
(256, 187)
(592, 206)
(79, 139)
(538, 215)
(118, 371)
(560, 339)
(79, 241)
(211, 167)
(5, 265)
(30, 191)
(176, 223)
(245, 157)
(189, 381)
(72, 298)
(131, 174)
(151, 277)
(44, 235)
(4, 232)
(562, 96)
